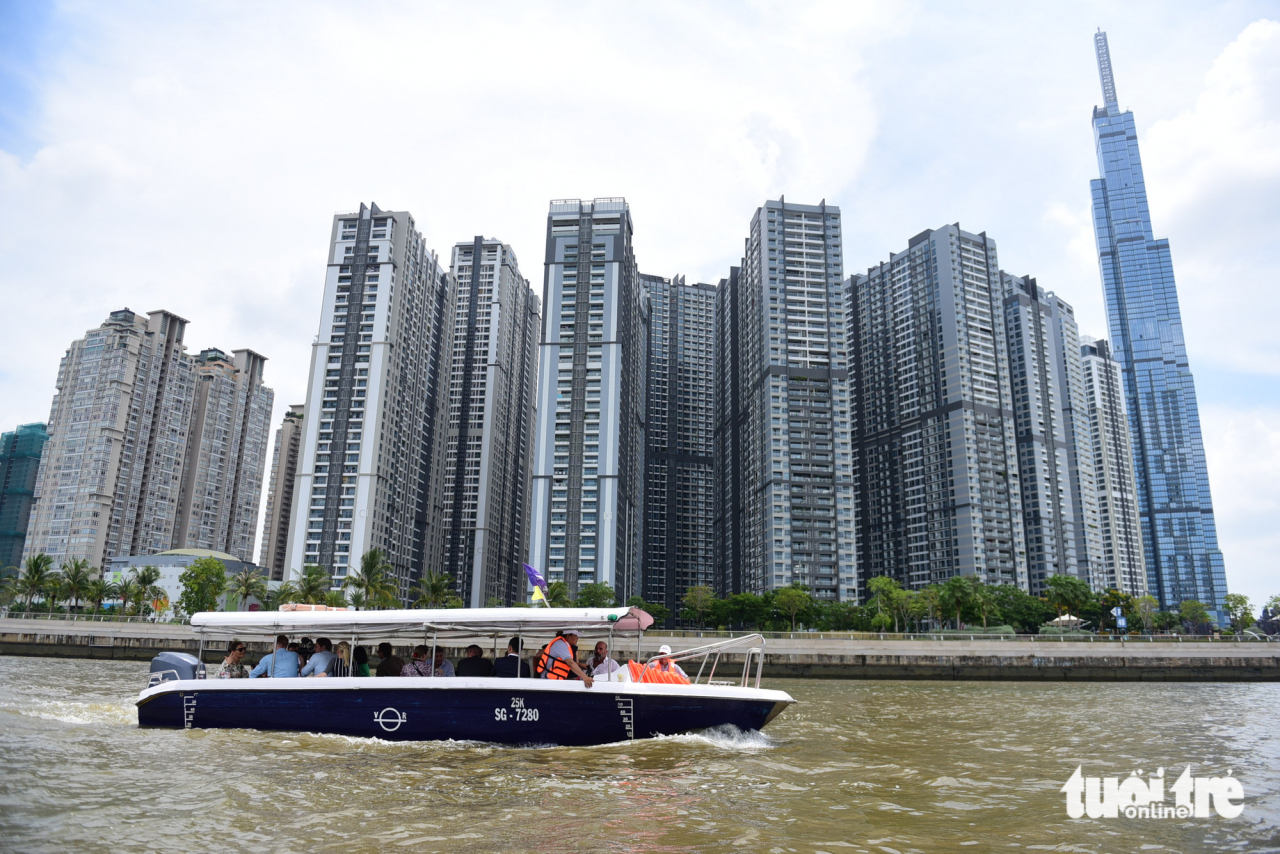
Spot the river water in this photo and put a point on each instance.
(853, 767)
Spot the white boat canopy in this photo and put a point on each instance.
(420, 623)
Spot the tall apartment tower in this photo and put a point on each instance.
(1044, 399)
(372, 431)
(679, 540)
(935, 435)
(588, 472)
(280, 482)
(1180, 538)
(489, 443)
(1123, 565)
(782, 434)
(111, 475)
(226, 454)
(20, 452)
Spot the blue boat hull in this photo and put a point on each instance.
(521, 714)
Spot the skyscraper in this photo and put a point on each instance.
(1123, 565)
(372, 444)
(280, 483)
(782, 433)
(935, 436)
(111, 474)
(226, 453)
(588, 475)
(1180, 539)
(489, 442)
(20, 452)
(679, 541)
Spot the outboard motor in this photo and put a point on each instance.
(168, 666)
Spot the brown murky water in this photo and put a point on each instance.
(854, 767)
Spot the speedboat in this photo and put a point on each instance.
(633, 703)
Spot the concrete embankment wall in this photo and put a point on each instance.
(807, 657)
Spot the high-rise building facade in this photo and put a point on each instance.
(489, 443)
(111, 475)
(373, 427)
(1180, 539)
(20, 452)
(935, 439)
(784, 511)
(679, 540)
(1123, 565)
(280, 483)
(588, 474)
(226, 454)
(1040, 392)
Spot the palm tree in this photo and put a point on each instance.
(55, 591)
(76, 576)
(128, 591)
(247, 584)
(8, 586)
(358, 601)
(955, 595)
(372, 581)
(148, 591)
(335, 599)
(314, 584)
(558, 595)
(285, 593)
(985, 601)
(98, 591)
(35, 575)
(433, 591)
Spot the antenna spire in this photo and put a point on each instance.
(1104, 68)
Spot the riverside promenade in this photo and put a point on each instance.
(787, 654)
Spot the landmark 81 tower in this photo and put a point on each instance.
(1178, 531)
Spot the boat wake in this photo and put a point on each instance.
(67, 712)
(728, 738)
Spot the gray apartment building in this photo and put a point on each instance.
(935, 437)
(679, 534)
(280, 483)
(373, 426)
(1123, 564)
(226, 454)
(588, 471)
(784, 511)
(489, 441)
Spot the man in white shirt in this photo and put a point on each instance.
(600, 665)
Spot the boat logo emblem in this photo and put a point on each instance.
(389, 719)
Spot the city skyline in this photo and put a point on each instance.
(1153, 93)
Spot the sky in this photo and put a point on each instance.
(191, 156)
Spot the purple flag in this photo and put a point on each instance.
(535, 578)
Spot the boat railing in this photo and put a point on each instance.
(711, 653)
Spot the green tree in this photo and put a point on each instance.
(434, 590)
(657, 610)
(931, 602)
(1113, 598)
(373, 580)
(1273, 604)
(76, 576)
(335, 599)
(698, 601)
(1195, 613)
(54, 592)
(128, 592)
(203, 583)
(1239, 610)
(8, 586)
(148, 590)
(597, 595)
(285, 593)
(1164, 621)
(35, 575)
(955, 595)
(742, 610)
(843, 617)
(247, 584)
(1067, 593)
(792, 602)
(985, 601)
(884, 592)
(314, 584)
(1145, 608)
(558, 595)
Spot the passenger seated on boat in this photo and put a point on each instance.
(280, 663)
(362, 661)
(511, 666)
(665, 664)
(559, 659)
(319, 661)
(340, 665)
(422, 666)
(391, 664)
(233, 665)
(600, 665)
(474, 663)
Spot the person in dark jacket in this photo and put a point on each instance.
(512, 666)
(474, 663)
(391, 664)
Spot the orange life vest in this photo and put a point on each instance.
(546, 667)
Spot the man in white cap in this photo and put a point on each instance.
(559, 660)
(665, 664)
